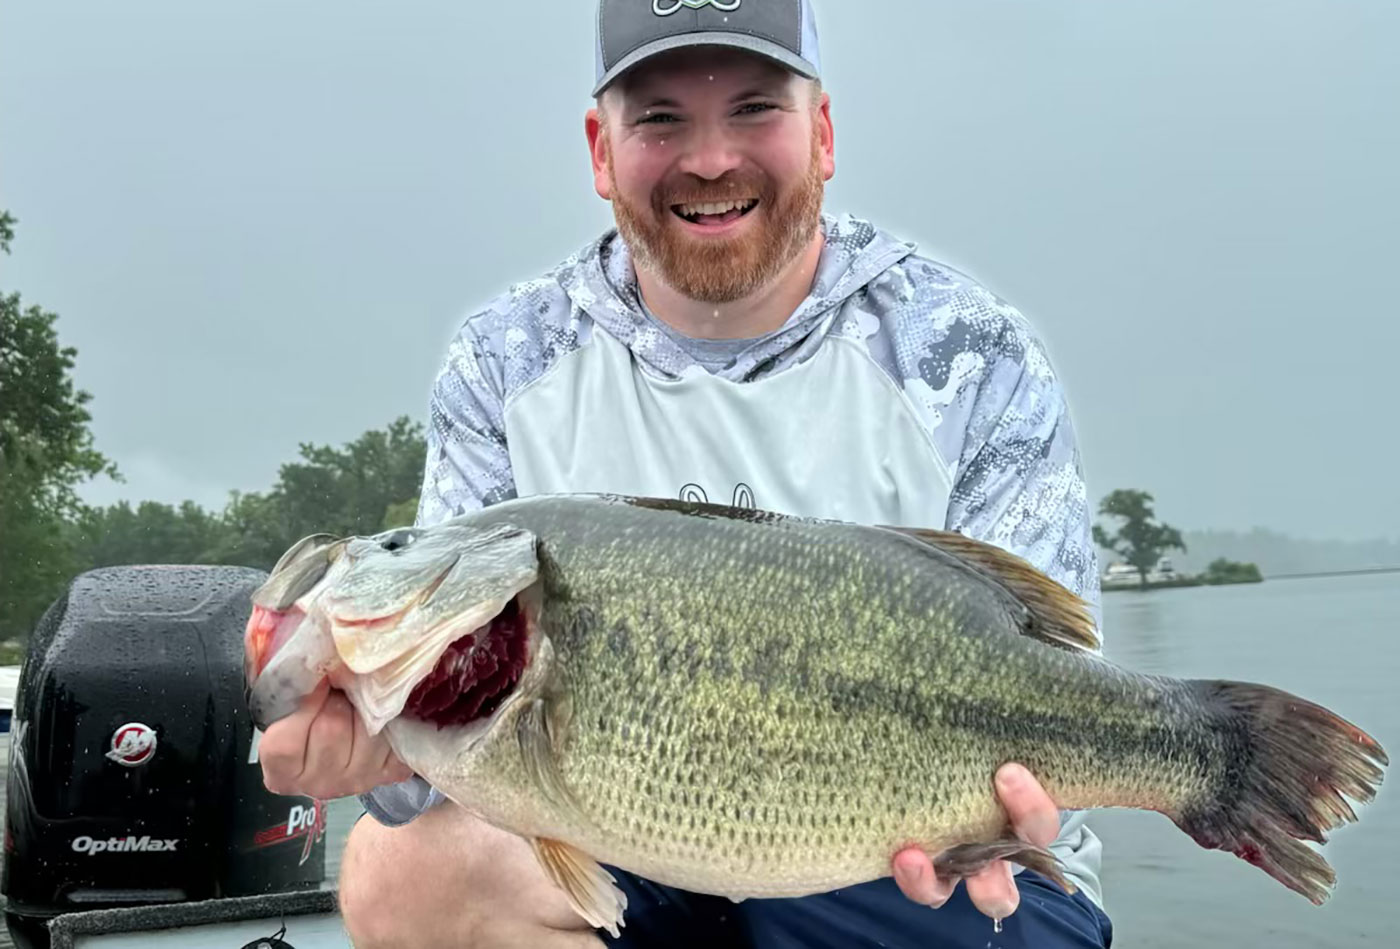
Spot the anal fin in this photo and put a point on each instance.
(964, 860)
(591, 890)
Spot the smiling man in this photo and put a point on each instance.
(732, 342)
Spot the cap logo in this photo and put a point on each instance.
(662, 8)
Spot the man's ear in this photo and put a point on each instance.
(827, 133)
(593, 128)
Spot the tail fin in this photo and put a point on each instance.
(1290, 766)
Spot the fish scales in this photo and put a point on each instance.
(741, 703)
(852, 694)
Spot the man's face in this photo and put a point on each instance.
(715, 163)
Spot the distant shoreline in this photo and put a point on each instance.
(1192, 582)
(1360, 571)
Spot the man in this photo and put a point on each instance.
(729, 342)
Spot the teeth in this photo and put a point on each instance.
(715, 207)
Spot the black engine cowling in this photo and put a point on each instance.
(133, 774)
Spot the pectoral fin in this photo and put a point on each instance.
(538, 730)
(591, 890)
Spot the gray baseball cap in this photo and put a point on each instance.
(630, 31)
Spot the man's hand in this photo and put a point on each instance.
(1034, 818)
(322, 750)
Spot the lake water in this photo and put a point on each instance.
(1331, 640)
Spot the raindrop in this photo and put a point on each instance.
(996, 925)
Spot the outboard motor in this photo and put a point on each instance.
(133, 774)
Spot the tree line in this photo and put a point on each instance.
(48, 535)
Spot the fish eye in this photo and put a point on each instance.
(398, 539)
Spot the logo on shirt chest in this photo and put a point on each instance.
(742, 497)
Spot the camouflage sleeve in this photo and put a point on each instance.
(467, 467)
(1018, 484)
(1019, 481)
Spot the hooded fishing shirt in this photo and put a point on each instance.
(899, 392)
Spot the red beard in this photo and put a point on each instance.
(722, 271)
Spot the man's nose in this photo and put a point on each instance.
(709, 153)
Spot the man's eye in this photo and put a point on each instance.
(754, 108)
(656, 118)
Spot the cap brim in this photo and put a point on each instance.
(753, 44)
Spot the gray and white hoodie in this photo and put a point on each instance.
(899, 392)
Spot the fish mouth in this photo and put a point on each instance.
(266, 632)
(276, 679)
(478, 671)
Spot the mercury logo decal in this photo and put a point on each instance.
(662, 8)
(133, 744)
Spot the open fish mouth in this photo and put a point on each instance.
(268, 631)
(435, 626)
(465, 682)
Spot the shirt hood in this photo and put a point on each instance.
(602, 281)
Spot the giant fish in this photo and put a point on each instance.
(754, 704)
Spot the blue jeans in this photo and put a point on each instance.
(874, 914)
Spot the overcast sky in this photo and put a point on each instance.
(260, 222)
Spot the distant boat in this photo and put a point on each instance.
(1163, 572)
(1120, 576)
(9, 682)
(1124, 576)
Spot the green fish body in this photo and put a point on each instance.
(753, 705)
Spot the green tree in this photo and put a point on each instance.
(1139, 541)
(348, 490)
(402, 514)
(46, 451)
(252, 535)
(1222, 570)
(151, 532)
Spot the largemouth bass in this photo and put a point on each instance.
(755, 705)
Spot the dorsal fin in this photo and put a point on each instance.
(1058, 616)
